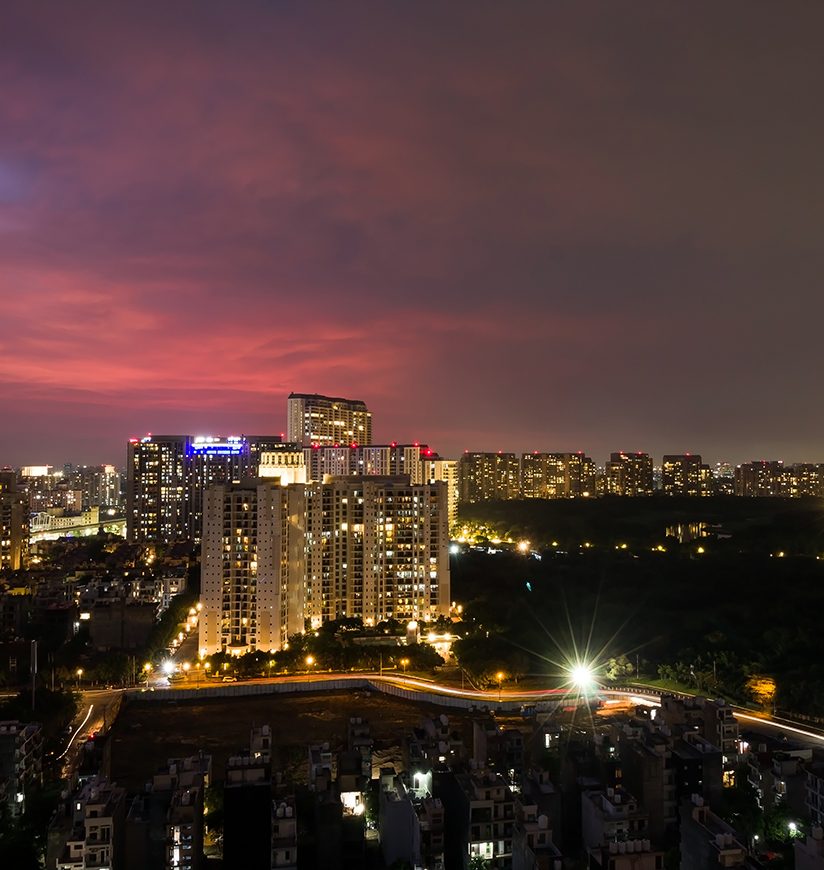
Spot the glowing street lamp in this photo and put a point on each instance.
(310, 660)
(500, 678)
(404, 663)
(582, 677)
(523, 547)
(79, 673)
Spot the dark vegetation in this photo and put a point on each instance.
(710, 620)
(339, 645)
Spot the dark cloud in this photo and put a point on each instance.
(530, 226)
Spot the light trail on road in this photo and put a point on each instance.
(80, 727)
(492, 697)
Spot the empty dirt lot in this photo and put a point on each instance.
(146, 734)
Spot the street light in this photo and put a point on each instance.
(582, 677)
(79, 673)
(500, 678)
(310, 660)
(404, 663)
(147, 669)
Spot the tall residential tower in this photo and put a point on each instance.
(327, 420)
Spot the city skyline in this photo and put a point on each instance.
(601, 459)
(551, 230)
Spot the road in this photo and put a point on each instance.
(99, 706)
(96, 714)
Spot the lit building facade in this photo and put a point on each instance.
(557, 475)
(252, 566)
(99, 485)
(276, 555)
(435, 469)
(155, 488)
(629, 474)
(762, 479)
(808, 479)
(488, 476)
(287, 466)
(327, 420)
(167, 476)
(383, 460)
(681, 474)
(209, 461)
(14, 523)
(376, 548)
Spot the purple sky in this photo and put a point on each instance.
(550, 226)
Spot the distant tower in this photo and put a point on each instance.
(155, 488)
(327, 420)
(681, 474)
(485, 476)
(629, 474)
(14, 523)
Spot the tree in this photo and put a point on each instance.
(619, 668)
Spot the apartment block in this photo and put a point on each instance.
(489, 807)
(629, 474)
(759, 479)
(557, 475)
(713, 719)
(488, 476)
(252, 566)
(327, 420)
(14, 523)
(682, 474)
(708, 841)
(21, 762)
(376, 547)
(381, 460)
(89, 832)
(434, 469)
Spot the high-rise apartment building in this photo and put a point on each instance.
(156, 508)
(763, 479)
(557, 475)
(168, 474)
(210, 460)
(681, 474)
(14, 523)
(486, 476)
(629, 474)
(377, 548)
(363, 546)
(327, 420)
(808, 479)
(99, 485)
(371, 459)
(435, 469)
(252, 566)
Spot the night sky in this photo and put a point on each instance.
(550, 225)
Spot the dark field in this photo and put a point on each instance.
(146, 734)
